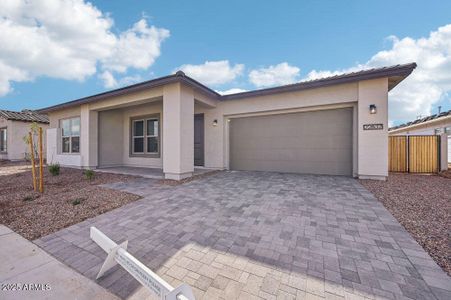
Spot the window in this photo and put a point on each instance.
(70, 135)
(438, 131)
(145, 137)
(3, 140)
(448, 130)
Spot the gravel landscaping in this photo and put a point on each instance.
(422, 204)
(69, 198)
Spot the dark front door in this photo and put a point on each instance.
(199, 140)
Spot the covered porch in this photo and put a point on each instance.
(157, 132)
(157, 137)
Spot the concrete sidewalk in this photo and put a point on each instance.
(38, 275)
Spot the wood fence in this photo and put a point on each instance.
(414, 153)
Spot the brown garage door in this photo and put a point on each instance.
(317, 142)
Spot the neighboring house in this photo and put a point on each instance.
(335, 125)
(14, 126)
(437, 124)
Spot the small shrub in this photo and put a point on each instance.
(89, 174)
(54, 169)
(28, 198)
(77, 201)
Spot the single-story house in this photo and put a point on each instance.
(436, 124)
(14, 126)
(335, 125)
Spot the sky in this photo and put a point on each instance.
(53, 51)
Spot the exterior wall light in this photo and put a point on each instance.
(373, 109)
(215, 122)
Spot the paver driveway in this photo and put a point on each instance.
(253, 235)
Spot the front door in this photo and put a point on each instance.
(199, 140)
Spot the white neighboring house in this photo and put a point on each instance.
(14, 126)
(437, 124)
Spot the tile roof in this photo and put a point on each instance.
(422, 120)
(396, 74)
(401, 71)
(24, 115)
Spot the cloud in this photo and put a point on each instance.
(280, 74)
(69, 39)
(213, 72)
(429, 83)
(136, 48)
(109, 81)
(231, 91)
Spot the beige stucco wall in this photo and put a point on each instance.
(373, 144)
(16, 131)
(178, 131)
(55, 116)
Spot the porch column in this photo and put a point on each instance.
(178, 131)
(373, 144)
(88, 137)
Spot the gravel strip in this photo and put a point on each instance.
(68, 199)
(422, 204)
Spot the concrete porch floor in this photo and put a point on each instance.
(153, 173)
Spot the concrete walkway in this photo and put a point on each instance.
(26, 267)
(151, 173)
(257, 235)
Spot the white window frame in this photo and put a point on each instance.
(70, 136)
(4, 142)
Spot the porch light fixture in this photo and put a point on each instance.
(215, 122)
(373, 109)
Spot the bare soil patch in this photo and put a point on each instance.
(69, 198)
(422, 204)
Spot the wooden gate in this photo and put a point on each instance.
(397, 154)
(414, 153)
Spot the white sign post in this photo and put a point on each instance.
(117, 254)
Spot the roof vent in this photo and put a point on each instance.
(179, 73)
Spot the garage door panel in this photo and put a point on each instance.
(318, 142)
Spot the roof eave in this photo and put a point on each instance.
(401, 71)
(413, 126)
(29, 121)
(135, 88)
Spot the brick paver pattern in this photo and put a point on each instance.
(258, 235)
